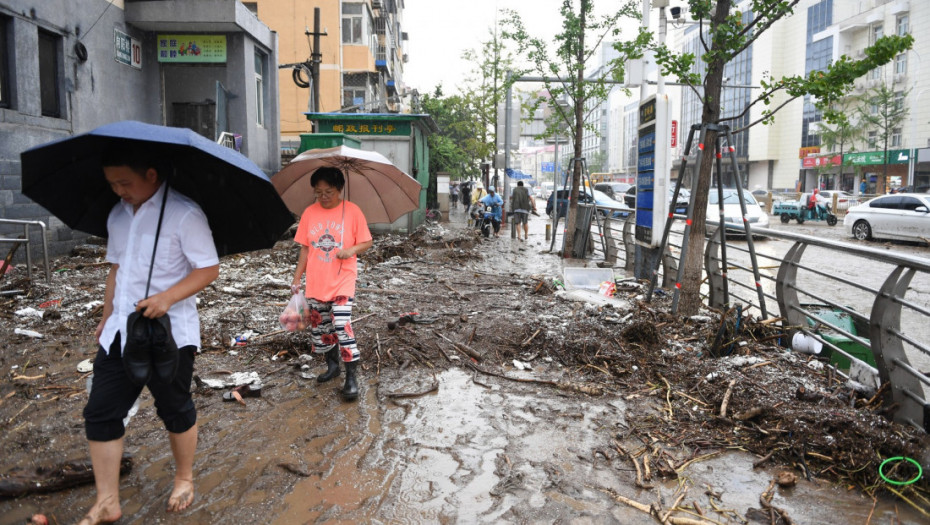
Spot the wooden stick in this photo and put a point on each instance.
(397, 395)
(451, 289)
(726, 399)
(530, 339)
(465, 349)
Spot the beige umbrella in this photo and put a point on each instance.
(382, 191)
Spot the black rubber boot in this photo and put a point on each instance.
(332, 366)
(350, 389)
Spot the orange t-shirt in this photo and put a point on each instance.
(324, 232)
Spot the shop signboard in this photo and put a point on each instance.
(191, 48)
(868, 158)
(817, 162)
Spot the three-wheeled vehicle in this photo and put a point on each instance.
(800, 211)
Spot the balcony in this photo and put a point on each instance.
(383, 60)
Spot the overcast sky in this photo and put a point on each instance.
(441, 30)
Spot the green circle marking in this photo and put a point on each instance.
(881, 469)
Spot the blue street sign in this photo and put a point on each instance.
(548, 167)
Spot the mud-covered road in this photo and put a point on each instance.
(571, 413)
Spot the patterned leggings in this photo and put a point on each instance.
(330, 325)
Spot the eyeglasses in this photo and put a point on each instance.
(330, 193)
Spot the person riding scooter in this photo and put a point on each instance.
(496, 204)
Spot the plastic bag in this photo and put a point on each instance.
(296, 315)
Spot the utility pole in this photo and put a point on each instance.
(315, 58)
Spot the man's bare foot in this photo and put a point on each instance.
(106, 511)
(182, 496)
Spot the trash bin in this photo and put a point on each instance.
(844, 321)
(583, 230)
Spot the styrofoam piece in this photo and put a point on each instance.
(592, 297)
(586, 278)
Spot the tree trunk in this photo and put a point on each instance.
(693, 266)
(578, 96)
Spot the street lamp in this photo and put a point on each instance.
(911, 161)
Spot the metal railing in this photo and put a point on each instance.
(25, 241)
(893, 326)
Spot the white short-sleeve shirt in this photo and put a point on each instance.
(185, 243)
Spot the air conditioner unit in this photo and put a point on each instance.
(875, 82)
(899, 78)
(860, 53)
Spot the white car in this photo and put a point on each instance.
(732, 213)
(903, 216)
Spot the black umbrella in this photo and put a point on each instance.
(243, 208)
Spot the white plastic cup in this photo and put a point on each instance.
(805, 344)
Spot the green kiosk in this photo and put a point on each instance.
(399, 137)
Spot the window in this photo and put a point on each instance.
(900, 64)
(877, 32)
(5, 49)
(353, 96)
(901, 24)
(896, 137)
(873, 139)
(876, 74)
(887, 203)
(910, 203)
(352, 23)
(259, 89)
(49, 77)
(898, 103)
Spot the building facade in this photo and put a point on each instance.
(69, 66)
(361, 55)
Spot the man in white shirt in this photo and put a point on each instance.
(185, 262)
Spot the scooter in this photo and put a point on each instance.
(485, 221)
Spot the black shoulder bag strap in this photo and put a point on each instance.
(161, 215)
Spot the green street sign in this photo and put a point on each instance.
(870, 158)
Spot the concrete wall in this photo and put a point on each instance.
(101, 90)
(94, 92)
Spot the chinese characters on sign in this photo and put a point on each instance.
(192, 48)
(126, 50)
(374, 129)
(365, 127)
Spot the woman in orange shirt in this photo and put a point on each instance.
(332, 233)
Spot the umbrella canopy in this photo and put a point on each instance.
(382, 191)
(244, 211)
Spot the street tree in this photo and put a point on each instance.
(838, 132)
(458, 147)
(724, 35)
(563, 69)
(882, 115)
(486, 84)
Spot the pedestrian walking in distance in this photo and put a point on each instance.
(521, 203)
(332, 232)
(454, 194)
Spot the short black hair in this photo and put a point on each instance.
(519, 183)
(329, 175)
(137, 157)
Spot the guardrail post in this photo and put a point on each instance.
(890, 359)
(610, 245)
(716, 298)
(629, 243)
(785, 286)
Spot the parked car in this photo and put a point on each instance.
(614, 190)
(684, 199)
(903, 216)
(545, 189)
(620, 209)
(732, 213)
(599, 198)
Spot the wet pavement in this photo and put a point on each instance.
(474, 449)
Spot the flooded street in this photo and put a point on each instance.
(550, 425)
